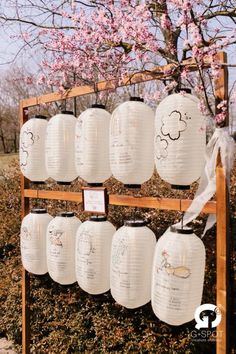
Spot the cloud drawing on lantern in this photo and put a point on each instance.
(173, 125)
(161, 146)
(27, 139)
(23, 157)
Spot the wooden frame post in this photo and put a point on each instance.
(223, 287)
(220, 206)
(25, 275)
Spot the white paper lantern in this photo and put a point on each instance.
(32, 149)
(92, 145)
(132, 252)
(33, 241)
(60, 147)
(180, 140)
(178, 276)
(131, 142)
(93, 251)
(61, 235)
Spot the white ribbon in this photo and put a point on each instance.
(223, 143)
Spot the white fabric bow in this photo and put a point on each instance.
(223, 143)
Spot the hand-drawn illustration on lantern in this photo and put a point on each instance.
(60, 147)
(92, 145)
(180, 140)
(32, 149)
(61, 234)
(33, 241)
(177, 275)
(131, 142)
(93, 249)
(131, 264)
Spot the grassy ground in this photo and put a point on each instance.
(6, 159)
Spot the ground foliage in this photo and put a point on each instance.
(65, 319)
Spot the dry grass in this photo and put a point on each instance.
(6, 159)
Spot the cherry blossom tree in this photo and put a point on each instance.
(86, 41)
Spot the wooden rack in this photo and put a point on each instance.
(220, 207)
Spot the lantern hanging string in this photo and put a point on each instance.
(182, 215)
(221, 142)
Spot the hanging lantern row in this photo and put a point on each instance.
(97, 144)
(128, 261)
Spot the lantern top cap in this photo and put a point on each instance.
(39, 116)
(136, 99)
(98, 218)
(66, 214)
(135, 223)
(38, 211)
(67, 112)
(97, 105)
(185, 230)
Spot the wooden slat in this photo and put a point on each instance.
(138, 77)
(222, 260)
(209, 208)
(223, 286)
(25, 286)
(144, 202)
(221, 84)
(55, 195)
(122, 200)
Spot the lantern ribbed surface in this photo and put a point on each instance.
(60, 147)
(177, 277)
(32, 149)
(180, 139)
(33, 241)
(93, 250)
(92, 145)
(61, 233)
(131, 142)
(131, 265)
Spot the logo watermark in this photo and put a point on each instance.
(207, 317)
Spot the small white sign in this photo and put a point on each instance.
(94, 200)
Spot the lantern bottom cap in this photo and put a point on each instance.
(38, 182)
(63, 183)
(132, 185)
(95, 184)
(180, 187)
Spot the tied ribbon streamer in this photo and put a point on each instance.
(220, 142)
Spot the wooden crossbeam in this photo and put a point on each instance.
(138, 77)
(123, 200)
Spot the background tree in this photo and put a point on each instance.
(85, 41)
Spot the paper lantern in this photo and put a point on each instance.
(60, 147)
(178, 276)
(32, 149)
(92, 145)
(93, 251)
(180, 140)
(132, 252)
(33, 241)
(61, 235)
(131, 142)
